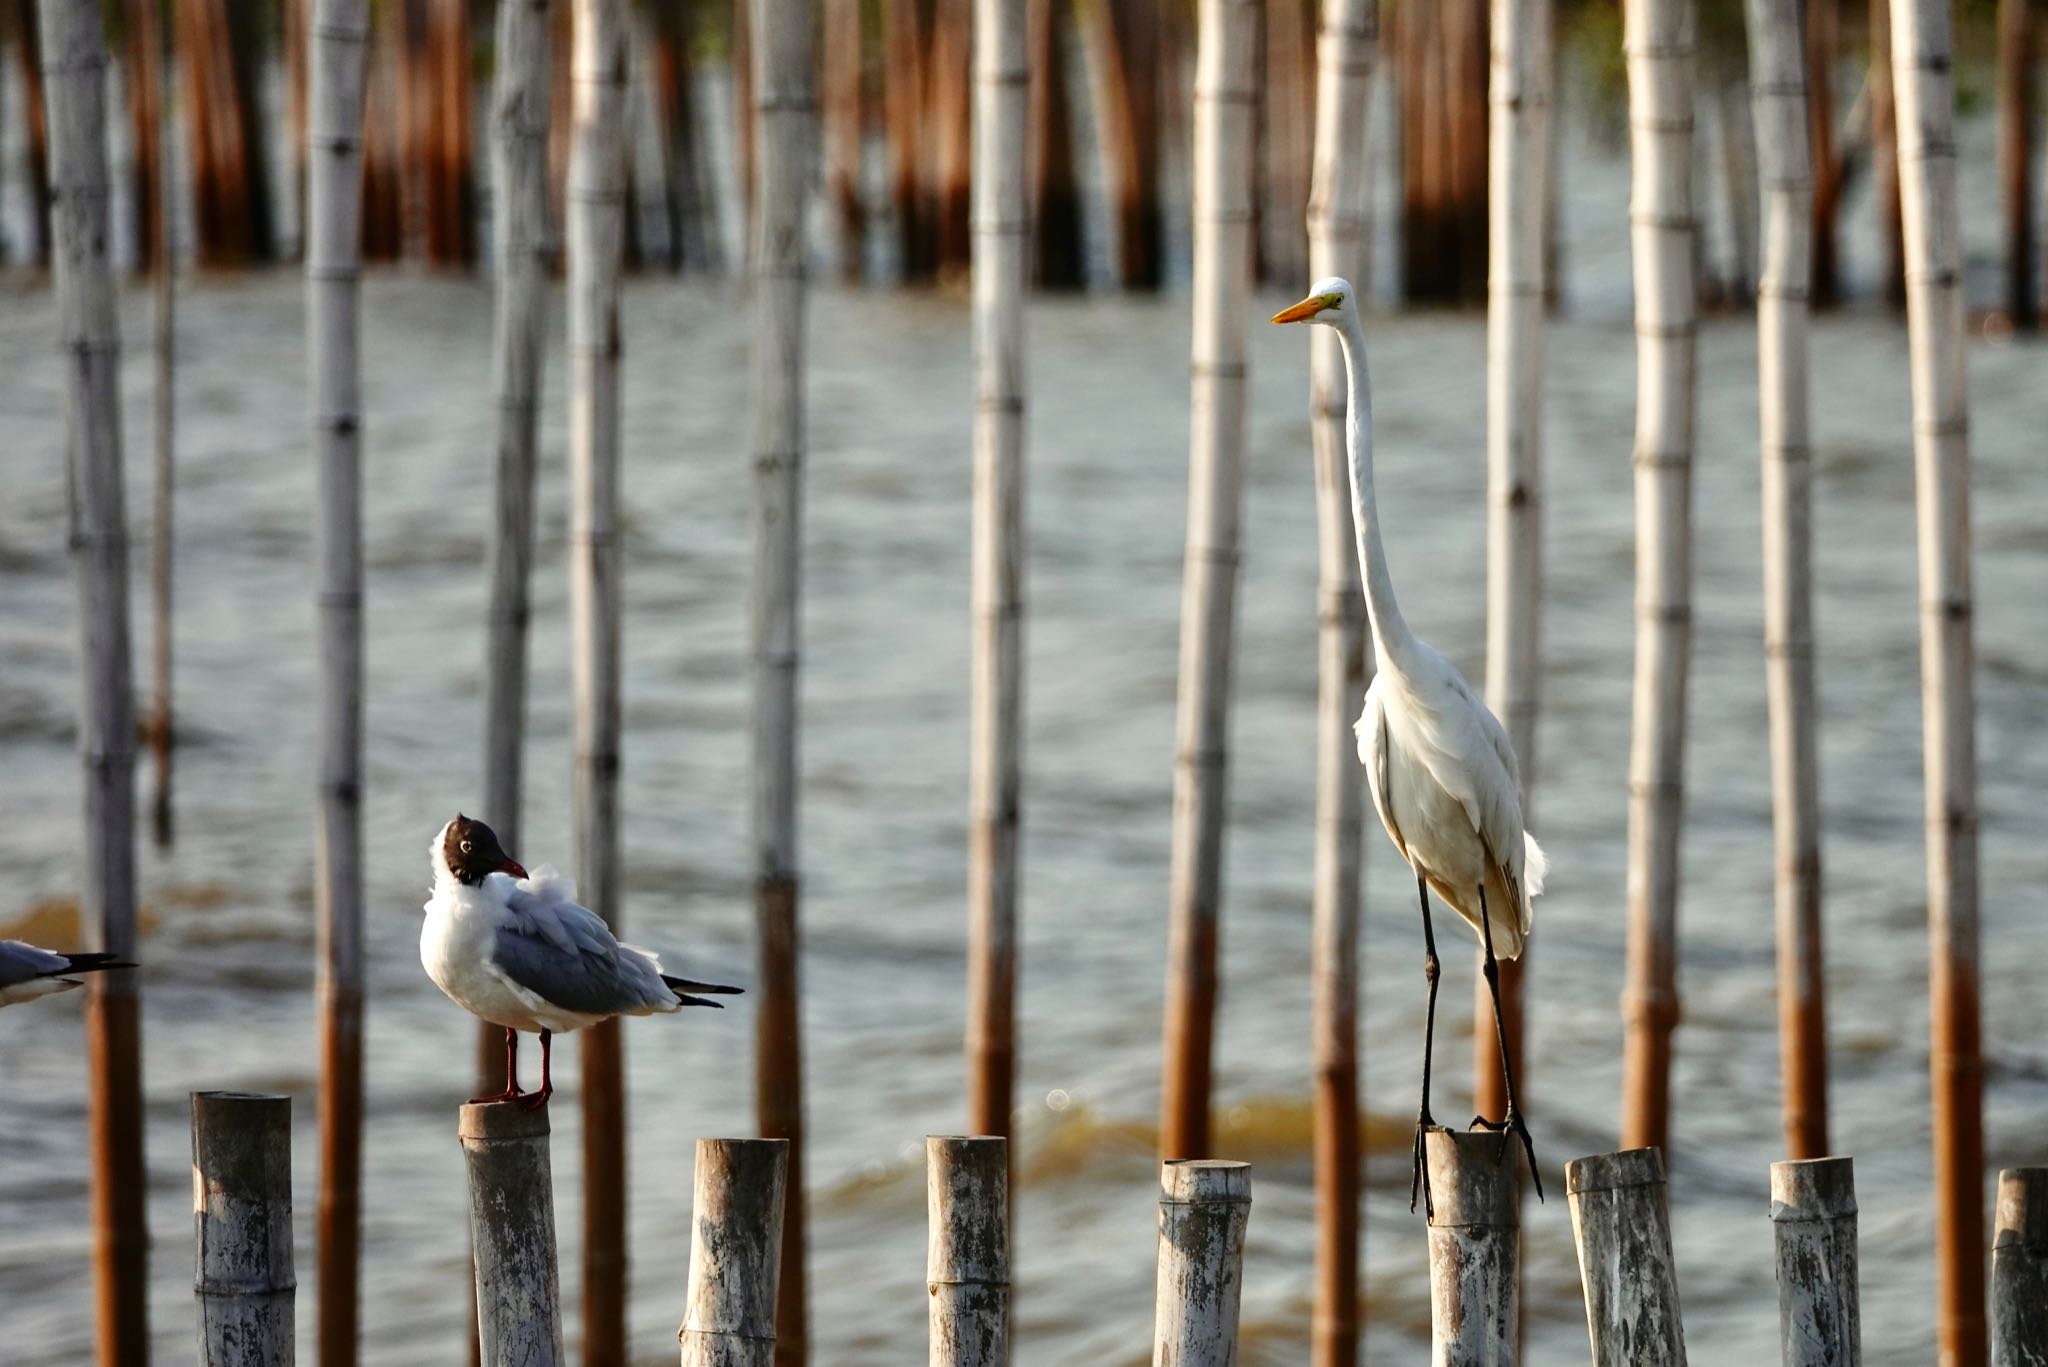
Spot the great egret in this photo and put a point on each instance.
(1440, 766)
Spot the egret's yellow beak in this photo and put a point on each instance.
(1305, 310)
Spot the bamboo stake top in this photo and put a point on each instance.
(245, 1137)
(1813, 1189)
(972, 1247)
(1205, 1182)
(2021, 1218)
(491, 1121)
(1615, 1171)
(1471, 1181)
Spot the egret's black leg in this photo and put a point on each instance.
(535, 1100)
(1418, 1180)
(1513, 1123)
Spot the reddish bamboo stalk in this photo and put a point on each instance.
(2016, 158)
(1058, 261)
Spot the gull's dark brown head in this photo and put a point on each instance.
(472, 853)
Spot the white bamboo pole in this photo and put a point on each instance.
(967, 1250)
(1622, 1226)
(512, 1230)
(1813, 1225)
(785, 116)
(1349, 33)
(1475, 1273)
(1923, 77)
(333, 261)
(1226, 108)
(242, 1226)
(157, 36)
(596, 222)
(735, 1253)
(1659, 38)
(1778, 87)
(2019, 1270)
(1204, 1206)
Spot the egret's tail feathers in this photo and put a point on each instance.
(1535, 864)
(682, 987)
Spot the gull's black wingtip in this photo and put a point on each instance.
(682, 987)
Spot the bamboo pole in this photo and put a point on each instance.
(2019, 1270)
(1884, 156)
(1057, 255)
(2016, 158)
(1813, 1222)
(1925, 87)
(1659, 38)
(845, 131)
(785, 115)
(242, 1223)
(1204, 1205)
(596, 222)
(1778, 88)
(512, 1231)
(1623, 1232)
(735, 1253)
(1225, 110)
(155, 37)
(1822, 24)
(967, 1260)
(1474, 1249)
(903, 120)
(333, 263)
(1349, 31)
(73, 69)
(1737, 141)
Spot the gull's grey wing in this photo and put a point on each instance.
(22, 962)
(565, 954)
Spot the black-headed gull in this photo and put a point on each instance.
(516, 950)
(27, 972)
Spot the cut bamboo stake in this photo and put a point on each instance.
(596, 220)
(1225, 108)
(1924, 79)
(1659, 37)
(785, 114)
(1813, 1219)
(242, 1224)
(735, 1253)
(512, 1233)
(1336, 246)
(1001, 260)
(1204, 1205)
(156, 38)
(1474, 1244)
(967, 1261)
(1778, 88)
(2019, 1270)
(1623, 1232)
(74, 67)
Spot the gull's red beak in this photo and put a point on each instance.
(512, 866)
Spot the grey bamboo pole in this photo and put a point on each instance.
(735, 1253)
(1225, 112)
(242, 1224)
(1518, 158)
(967, 1260)
(1924, 80)
(1348, 35)
(74, 85)
(512, 1233)
(1778, 89)
(1001, 261)
(1813, 1222)
(2019, 1270)
(1474, 1248)
(1623, 1231)
(1659, 38)
(596, 222)
(785, 116)
(1204, 1206)
(157, 38)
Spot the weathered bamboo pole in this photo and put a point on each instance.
(2016, 158)
(73, 68)
(1884, 156)
(596, 222)
(786, 116)
(1659, 38)
(1002, 246)
(1474, 1248)
(155, 38)
(1623, 1231)
(333, 264)
(967, 1259)
(2019, 1270)
(512, 1233)
(1349, 31)
(1204, 1205)
(1225, 110)
(735, 1253)
(1813, 1221)
(1924, 82)
(242, 1224)
(1778, 90)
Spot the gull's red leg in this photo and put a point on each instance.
(511, 1092)
(533, 1101)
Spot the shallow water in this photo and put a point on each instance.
(884, 757)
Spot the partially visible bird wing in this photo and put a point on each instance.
(1372, 753)
(21, 961)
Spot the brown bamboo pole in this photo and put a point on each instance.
(786, 117)
(242, 1224)
(2016, 158)
(1884, 157)
(512, 1229)
(2019, 1270)
(1813, 1225)
(1823, 41)
(1924, 79)
(1778, 89)
(735, 1253)
(333, 258)
(1349, 32)
(1659, 38)
(1286, 129)
(903, 118)
(1057, 254)
(1225, 111)
(155, 38)
(1622, 1227)
(949, 119)
(34, 246)
(1204, 1207)
(845, 130)
(967, 1252)
(1475, 1301)
(74, 72)
(1126, 38)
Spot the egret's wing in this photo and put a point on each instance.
(1372, 753)
(21, 962)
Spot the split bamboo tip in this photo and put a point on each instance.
(1472, 1179)
(1614, 1171)
(1813, 1189)
(2022, 1215)
(1205, 1182)
(495, 1121)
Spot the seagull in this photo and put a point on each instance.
(27, 972)
(516, 950)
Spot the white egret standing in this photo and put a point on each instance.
(1440, 766)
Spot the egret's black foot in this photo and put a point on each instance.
(1418, 1180)
(1514, 1125)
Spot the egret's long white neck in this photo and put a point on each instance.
(1391, 637)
